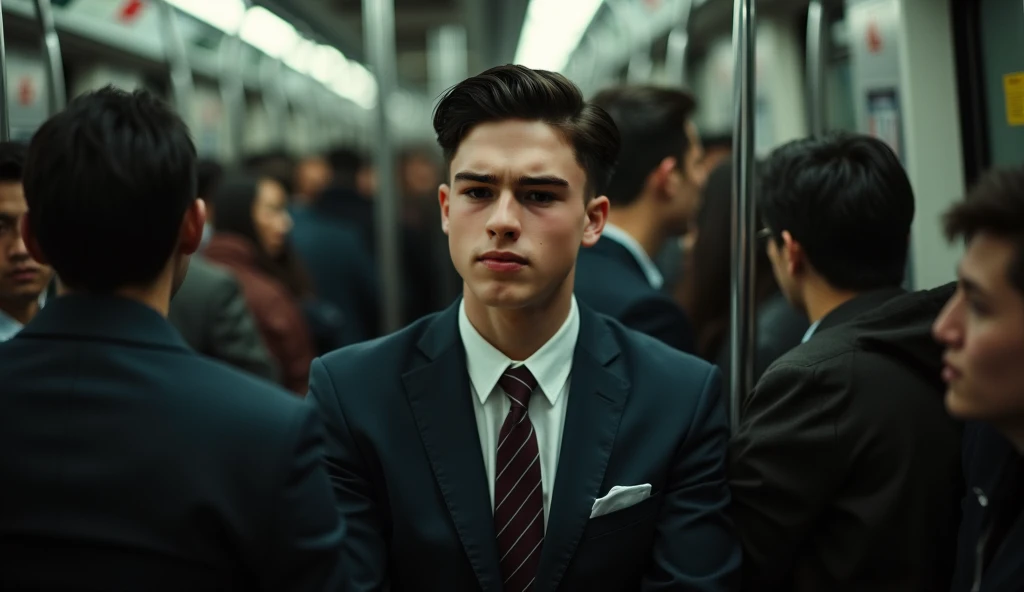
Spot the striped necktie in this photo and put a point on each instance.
(518, 498)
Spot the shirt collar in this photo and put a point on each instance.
(9, 326)
(550, 365)
(647, 265)
(810, 331)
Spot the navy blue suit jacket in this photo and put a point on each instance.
(133, 463)
(609, 279)
(404, 456)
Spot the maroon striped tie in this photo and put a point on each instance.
(518, 499)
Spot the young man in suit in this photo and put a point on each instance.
(844, 466)
(519, 440)
(23, 280)
(654, 193)
(982, 329)
(134, 463)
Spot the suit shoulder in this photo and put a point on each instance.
(653, 357)
(383, 351)
(229, 390)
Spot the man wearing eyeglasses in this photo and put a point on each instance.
(844, 468)
(23, 281)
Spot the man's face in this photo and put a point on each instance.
(982, 327)
(22, 279)
(516, 214)
(686, 184)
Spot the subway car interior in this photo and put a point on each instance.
(315, 124)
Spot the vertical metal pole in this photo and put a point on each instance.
(5, 114)
(379, 32)
(742, 328)
(275, 99)
(816, 66)
(447, 58)
(54, 62)
(232, 91)
(182, 84)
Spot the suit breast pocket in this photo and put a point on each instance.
(624, 519)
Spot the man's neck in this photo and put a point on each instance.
(20, 310)
(518, 333)
(635, 222)
(821, 299)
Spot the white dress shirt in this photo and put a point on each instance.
(650, 269)
(9, 327)
(551, 365)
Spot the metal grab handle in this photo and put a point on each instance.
(177, 58)
(5, 114)
(54, 61)
(742, 330)
(678, 41)
(816, 37)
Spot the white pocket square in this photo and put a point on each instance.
(620, 498)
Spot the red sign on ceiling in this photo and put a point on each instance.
(874, 38)
(130, 10)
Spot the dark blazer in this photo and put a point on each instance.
(991, 540)
(134, 463)
(210, 312)
(609, 280)
(409, 478)
(844, 469)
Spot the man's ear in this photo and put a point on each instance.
(31, 243)
(190, 236)
(793, 254)
(661, 179)
(443, 195)
(597, 216)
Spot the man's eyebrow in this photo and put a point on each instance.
(476, 178)
(969, 285)
(543, 180)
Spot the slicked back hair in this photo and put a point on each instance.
(516, 92)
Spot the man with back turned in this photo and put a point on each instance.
(132, 463)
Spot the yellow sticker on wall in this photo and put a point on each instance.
(1013, 86)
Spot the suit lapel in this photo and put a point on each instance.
(597, 396)
(439, 394)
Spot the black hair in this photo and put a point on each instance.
(995, 206)
(108, 181)
(652, 124)
(12, 161)
(847, 200)
(517, 92)
(209, 174)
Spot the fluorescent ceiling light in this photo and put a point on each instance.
(325, 62)
(226, 15)
(268, 32)
(551, 31)
(300, 57)
(355, 83)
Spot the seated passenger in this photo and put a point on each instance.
(844, 465)
(23, 281)
(131, 462)
(706, 287)
(654, 192)
(251, 239)
(464, 455)
(982, 328)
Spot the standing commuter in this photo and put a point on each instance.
(519, 440)
(23, 280)
(654, 194)
(844, 468)
(982, 328)
(131, 462)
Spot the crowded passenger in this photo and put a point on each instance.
(446, 437)
(654, 193)
(131, 462)
(24, 282)
(844, 466)
(706, 285)
(982, 329)
(251, 239)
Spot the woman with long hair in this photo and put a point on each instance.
(705, 290)
(251, 239)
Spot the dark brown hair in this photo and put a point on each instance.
(516, 92)
(996, 206)
(652, 122)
